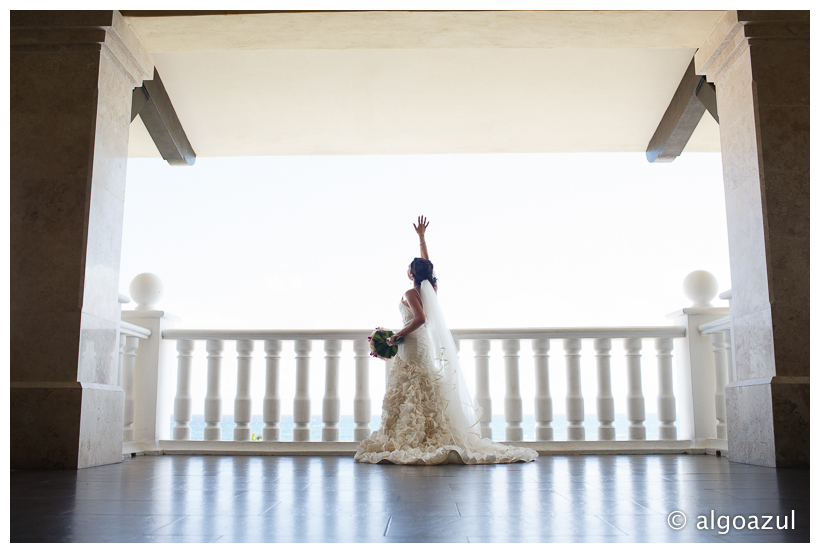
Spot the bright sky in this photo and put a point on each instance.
(518, 240)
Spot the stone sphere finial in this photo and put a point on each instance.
(146, 289)
(700, 287)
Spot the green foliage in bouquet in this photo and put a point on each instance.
(378, 344)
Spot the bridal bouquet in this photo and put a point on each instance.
(378, 344)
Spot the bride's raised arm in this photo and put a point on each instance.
(422, 226)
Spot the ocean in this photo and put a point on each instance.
(346, 426)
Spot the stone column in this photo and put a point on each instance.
(759, 62)
(72, 73)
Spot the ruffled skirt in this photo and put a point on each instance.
(415, 431)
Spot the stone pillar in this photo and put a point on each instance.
(759, 62)
(72, 73)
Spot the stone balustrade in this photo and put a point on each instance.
(686, 421)
(720, 334)
(130, 336)
(303, 341)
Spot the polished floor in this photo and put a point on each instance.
(608, 498)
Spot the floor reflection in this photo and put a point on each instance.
(333, 499)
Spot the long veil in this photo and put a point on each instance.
(461, 411)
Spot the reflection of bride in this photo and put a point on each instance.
(428, 415)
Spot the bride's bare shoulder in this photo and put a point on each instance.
(405, 296)
(411, 295)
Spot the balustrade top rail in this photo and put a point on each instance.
(717, 325)
(133, 330)
(464, 334)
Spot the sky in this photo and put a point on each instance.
(517, 240)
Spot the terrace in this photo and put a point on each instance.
(110, 391)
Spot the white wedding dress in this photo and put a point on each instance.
(428, 415)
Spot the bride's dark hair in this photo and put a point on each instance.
(422, 269)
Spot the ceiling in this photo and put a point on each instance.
(324, 83)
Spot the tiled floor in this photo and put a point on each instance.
(333, 499)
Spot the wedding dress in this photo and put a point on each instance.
(428, 415)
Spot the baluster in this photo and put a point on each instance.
(213, 398)
(122, 354)
(605, 402)
(666, 395)
(543, 399)
(481, 348)
(182, 401)
(388, 366)
(271, 403)
(301, 403)
(242, 401)
(513, 412)
(575, 398)
(635, 407)
(361, 401)
(730, 363)
(719, 347)
(330, 403)
(129, 360)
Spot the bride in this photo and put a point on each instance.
(428, 415)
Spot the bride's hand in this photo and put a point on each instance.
(422, 226)
(391, 341)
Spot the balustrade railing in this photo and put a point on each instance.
(509, 340)
(690, 402)
(130, 336)
(720, 333)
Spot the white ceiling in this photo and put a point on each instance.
(422, 82)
